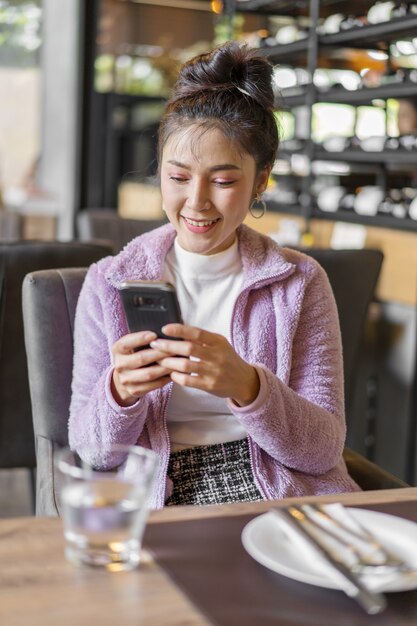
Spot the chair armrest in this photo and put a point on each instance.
(369, 475)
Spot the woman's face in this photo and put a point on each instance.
(207, 186)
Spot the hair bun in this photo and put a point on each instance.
(231, 65)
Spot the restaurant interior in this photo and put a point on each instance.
(83, 87)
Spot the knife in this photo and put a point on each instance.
(372, 602)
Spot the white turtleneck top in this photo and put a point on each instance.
(207, 288)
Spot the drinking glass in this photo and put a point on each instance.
(104, 511)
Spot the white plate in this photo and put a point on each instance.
(265, 539)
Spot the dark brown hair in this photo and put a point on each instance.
(229, 88)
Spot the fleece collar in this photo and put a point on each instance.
(143, 258)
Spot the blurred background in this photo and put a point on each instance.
(83, 84)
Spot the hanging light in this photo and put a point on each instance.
(217, 6)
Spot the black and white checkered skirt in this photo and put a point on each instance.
(214, 474)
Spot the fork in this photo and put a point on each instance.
(370, 555)
(349, 581)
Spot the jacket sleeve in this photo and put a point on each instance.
(95, 417)
(301, 424)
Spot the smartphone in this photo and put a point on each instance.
(149, 305)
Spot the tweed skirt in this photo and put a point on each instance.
(214, 474)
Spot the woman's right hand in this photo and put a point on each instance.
(136, 372)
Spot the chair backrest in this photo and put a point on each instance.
(49, 302)
(107, 224)
(353, 275)
(11, 226)
(49, 329)
(17, 447)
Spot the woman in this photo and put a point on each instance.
(249, 406)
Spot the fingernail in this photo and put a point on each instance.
(150, 336)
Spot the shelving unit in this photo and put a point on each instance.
(367, 94)
(395, 236)
(309, 53)
(383, 221)
(390, 157)
(296, 96)
(376, 36)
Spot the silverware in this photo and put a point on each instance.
(372, 556)
(372, 602)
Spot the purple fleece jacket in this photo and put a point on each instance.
(284, 321)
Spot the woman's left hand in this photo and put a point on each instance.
(207, 361)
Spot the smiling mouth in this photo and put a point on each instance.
(200, 223)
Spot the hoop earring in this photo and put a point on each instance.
(258, 200)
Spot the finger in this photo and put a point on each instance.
(176, 364)
(144, 358)
(137, 360)
(144, 388)
(190, 380)
(127, 343)
(161, 382)
(179, 348)
(152, 372)
(148, 381)
(190, 333)
(134, 378)
(128, 389)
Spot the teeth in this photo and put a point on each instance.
(193, 223)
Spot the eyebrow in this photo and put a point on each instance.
(215, 168)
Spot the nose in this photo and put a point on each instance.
(198, 196)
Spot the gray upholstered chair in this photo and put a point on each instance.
(17, 448)
(49, 302)
(49, 329)
(107, 224)
(353, 275)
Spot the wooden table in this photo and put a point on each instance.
(39, 588)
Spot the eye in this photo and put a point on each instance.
(224, 183)
(178, 179)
